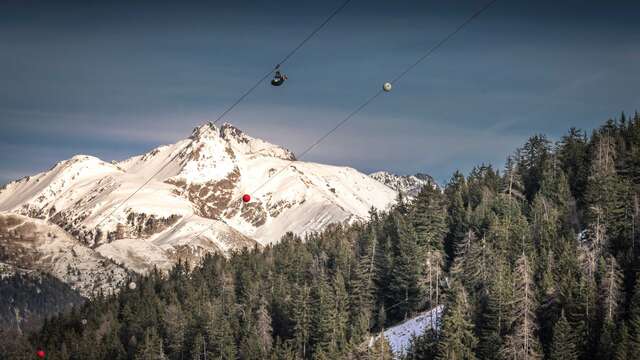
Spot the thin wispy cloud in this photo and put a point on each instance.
(115, 79)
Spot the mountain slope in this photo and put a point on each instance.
(28, 297)
(196, 189)
(36, 245)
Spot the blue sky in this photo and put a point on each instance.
(114, 79)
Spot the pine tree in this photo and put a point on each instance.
(472, 262)
(112, 344)
(522, 342)
(605, 342)
(494, 316)
(572, 153)
(403, 283)
(380, 349)
(341, 311)
(457, 219)
(563, 346)
(362, 290)
(429, 218)
(219, 331)
(533, 159)
(621, 351)
(323, 317)
(605, 196)
(175, 327)
(610, 295)
(263, 327)
(634, 322)
(509, 231)
(611, 290)
(513, 185)
(457, 339)
(431, 275)
(545, 224)
(151, 347)
(423, 346)
(302, 319)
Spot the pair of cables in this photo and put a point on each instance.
(386, 87)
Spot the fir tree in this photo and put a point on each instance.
(533, 159)
(610, 290)
(457, 219)
(522, 341)
(429, 218)
(380, 349)
(175, 327)
(621, 351)
(513, 185)
(563, 347)
(494, 318)
(263, 327)
(151, 347)
(457, 339)
(302, 318)
(634, 322)
(403, 285)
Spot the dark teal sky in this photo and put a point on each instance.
(114, 79)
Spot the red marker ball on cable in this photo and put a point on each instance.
(40, 354)
(246, 198)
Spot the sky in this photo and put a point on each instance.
(116, 79)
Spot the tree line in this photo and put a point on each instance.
(535, 261)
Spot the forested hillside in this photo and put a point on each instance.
(537, 260)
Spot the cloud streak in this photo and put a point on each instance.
(114, 79)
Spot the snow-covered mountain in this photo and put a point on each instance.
(194, 187)
(409, 185)
(36, 246)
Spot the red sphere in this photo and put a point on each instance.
(246, 197)
(40, 354)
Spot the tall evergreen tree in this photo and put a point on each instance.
(302, 317)
(621, 351)
(457, 338)
(403, 287)
(533, 159)
(175, 327)
(522, 341)
(563, 347)
(572, 153)
(457, 219)
(494, 319)
(380, 349)
(151, 347)
(429, 218)
(634, 322)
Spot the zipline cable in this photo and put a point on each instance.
(230, 108)
(429, 52)
(284, 60)
(445, 39)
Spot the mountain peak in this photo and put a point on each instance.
(205, 130)
(227, 130)
(238, 142)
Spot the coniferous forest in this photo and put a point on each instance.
(539, 260)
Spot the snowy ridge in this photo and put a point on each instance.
(196, 189)
(399, 336)
(409, 185)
